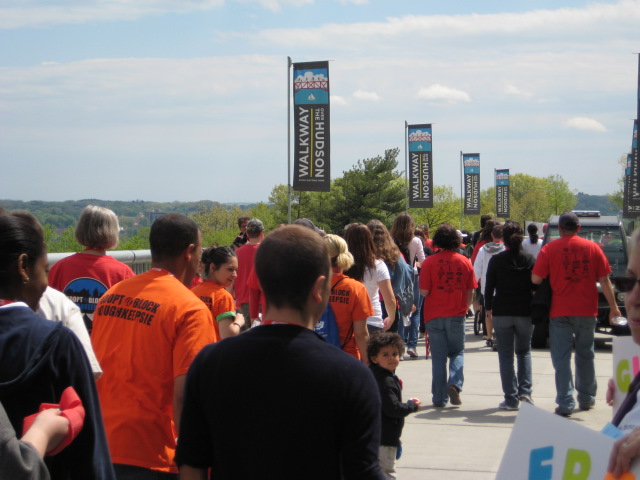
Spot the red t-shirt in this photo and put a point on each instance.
(246, 255)
(350, 303)
(573, 265)
(84, 278)
(448, 276)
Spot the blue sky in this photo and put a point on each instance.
(165, 100)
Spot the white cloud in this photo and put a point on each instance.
(337, 100)
(536, 26)
(517, 92)
(585, 123)
(366, 96)
(441, 93)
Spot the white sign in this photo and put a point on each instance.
(544, 446)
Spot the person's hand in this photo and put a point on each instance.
(417, 402)
(614, 312)
(47, 431)
(623, 452)
(239, 320)
(387, 323)
(611, 391)
(413, 308)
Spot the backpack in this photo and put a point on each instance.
(402, 278)
(327, 326)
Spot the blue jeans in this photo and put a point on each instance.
(514, 338)
(131, 472)
(446, 335)
(562, 332)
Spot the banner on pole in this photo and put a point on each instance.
(420, 166)
(502, 193)
(633, 194)
(628, 210)
(311, 126)
(471, 167)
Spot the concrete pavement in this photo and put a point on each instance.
(467, 442)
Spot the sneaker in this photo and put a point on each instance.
(562, 412)
(587, 406)
(494, 345)
(439, 405)
(454, 395)
(504, 406)
(526, 399)
(412, 353)
(490, 342)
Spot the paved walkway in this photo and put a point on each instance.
(467, 442)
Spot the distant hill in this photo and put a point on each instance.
(596, 202)
(132, 214)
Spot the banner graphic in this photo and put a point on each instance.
(311, 125)
(471, 166)
(420, 166)
(502, 193)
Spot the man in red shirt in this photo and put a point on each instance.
(246, 255)
(573, 265)
(447, 282)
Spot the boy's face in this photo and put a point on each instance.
(388, 357)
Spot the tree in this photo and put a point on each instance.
(617, 197)
(446, 208)
(561, 198)
(372, 189)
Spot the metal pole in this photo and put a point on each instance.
(289, 139)
(461, 193)
(406, 164)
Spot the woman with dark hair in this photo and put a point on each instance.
(508, 294)
(220, 269)
(39, 359)
(447, 282)
(373, 273)
(534, 243)
(412, 248)
(86, 275)
(485, 237)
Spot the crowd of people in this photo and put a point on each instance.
(169, 379)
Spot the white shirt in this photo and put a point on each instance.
(55, 306)
(370, 279)
(532, 248)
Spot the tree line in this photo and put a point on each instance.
(373, 188)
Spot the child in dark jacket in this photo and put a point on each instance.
(385, 350)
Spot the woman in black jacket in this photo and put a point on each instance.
(508, 293)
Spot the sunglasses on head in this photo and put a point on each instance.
(625, 284)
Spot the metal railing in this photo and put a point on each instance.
(138, 260)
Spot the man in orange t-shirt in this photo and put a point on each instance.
(147, 330)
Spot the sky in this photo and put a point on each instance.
(186, 100)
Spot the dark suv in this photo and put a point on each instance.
(608, 232)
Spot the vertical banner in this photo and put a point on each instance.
(502, 193)
(420, 166)
(471, 167)
(633, 195)
(311, 126)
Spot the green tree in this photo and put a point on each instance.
(560, 197)
(617, 197)
(139, 241)
(446, 208)
(371, 189)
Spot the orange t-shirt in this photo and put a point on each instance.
(350, 302)
(218, 300)
(147, 330)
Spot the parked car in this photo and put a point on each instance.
(608, 232)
